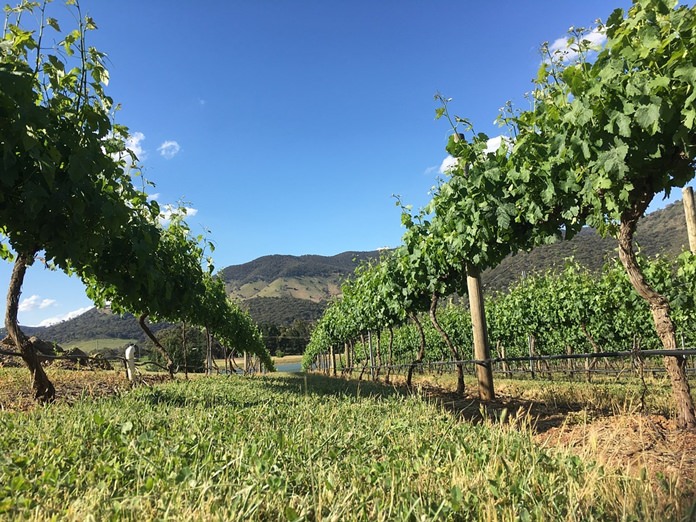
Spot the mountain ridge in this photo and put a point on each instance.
(286, 265)
(307, 277)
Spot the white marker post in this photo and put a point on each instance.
(130, 362)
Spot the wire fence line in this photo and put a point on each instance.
(85, 359)
(636, 356)
(91, 360)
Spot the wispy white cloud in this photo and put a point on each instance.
(447, 164)
(568, 52)
(134, 143)
(166, 214)
(169, 149)
(492, 145)
(65, 317)
(153, 197)
(35, 302)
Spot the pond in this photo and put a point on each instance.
(289, 367)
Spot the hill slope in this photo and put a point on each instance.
(309, 277)
(93, 324)
(271, 283)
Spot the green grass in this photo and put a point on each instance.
(295, 448)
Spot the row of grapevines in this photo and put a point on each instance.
(608, 129)
(67, 191)
(569, 308)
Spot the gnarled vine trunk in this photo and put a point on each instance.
(421, 350)
(448, 342)
(390, 361)
(659, 306)
(170, 363)
(42, 386)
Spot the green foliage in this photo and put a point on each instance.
(605, 133)
(282, 312)
(65, 173)
(639, 98)
(573, 308)
(171, 339)
(287, 340)
(661, 232)
(429, 263)
(66, 187)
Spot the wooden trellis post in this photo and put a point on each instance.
(690, 214)
(482, 351)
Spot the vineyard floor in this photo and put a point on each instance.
(607, 427)
(597, 422)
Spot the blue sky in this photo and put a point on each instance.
(287, 126)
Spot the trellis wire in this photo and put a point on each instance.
(633, 354)
(79, 358)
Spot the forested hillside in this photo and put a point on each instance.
(303, 278)
(93, 324)
(275, 288)
(661, 232)
(283, 310)
(268, 268)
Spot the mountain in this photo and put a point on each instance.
(277, 289)
(282, 289)
(309, 277)
(93, 324)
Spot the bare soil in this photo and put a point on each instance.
(71, 386)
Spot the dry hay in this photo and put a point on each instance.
(16, 393)
(635, 443)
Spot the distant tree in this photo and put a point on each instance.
(294, 338)
(171, 339)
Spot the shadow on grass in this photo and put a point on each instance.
(172, 397)
(319, 384)
(542, 416)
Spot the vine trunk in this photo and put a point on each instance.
(448, 342)
(659, 306)
(42, 386)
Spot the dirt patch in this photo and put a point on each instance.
(71, 386)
